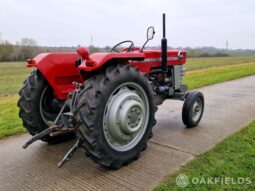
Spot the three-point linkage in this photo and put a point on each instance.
(64, 123)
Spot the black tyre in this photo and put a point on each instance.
(115, 115)
(38, 107)
(193, 109)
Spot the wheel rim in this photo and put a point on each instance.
(48, 114)
(126, 116)
(197, 109)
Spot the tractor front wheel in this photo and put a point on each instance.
(115, 115)
(193, 109)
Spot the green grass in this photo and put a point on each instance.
(234, 157)
(10, 124)
(12, 75)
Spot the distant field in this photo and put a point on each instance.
(12, 74)
(202, 63)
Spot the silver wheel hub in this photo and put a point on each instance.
(197, 110)
(126, 117)
(130, 115)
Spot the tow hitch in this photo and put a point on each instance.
(64, 123)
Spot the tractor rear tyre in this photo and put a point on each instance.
(193, 109)
(38, 107)
(115, 115)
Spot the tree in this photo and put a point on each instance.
(93, 49)
(28, 48)
(6, 51)
(28, 42)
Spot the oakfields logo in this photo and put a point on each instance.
(182, 180)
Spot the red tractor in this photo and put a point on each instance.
(107, 100)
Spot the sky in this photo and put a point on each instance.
(193, 23)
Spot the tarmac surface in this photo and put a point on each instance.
(229, 106)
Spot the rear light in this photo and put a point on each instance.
(30, 62)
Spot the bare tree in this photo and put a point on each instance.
(6, 51)
(28, 48)
(28, 42)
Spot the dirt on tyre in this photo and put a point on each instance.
(37, 110)
(193, 109)
(115, 114)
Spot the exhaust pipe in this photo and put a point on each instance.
(164, 47)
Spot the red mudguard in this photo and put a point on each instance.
(59, 70)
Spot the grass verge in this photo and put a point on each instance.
(233, 158)
(10, 124)
(200, 78)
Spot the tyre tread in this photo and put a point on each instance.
(86, 116)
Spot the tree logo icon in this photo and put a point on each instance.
(182, 180)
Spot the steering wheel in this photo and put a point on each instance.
(126, 41)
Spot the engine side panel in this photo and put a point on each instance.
(145, 60)
(153, 59)
(59, 70)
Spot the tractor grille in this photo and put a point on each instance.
(179, 72)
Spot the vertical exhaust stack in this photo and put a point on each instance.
(164, 47)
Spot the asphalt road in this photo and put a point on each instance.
(229, 107)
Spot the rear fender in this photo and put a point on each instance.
(59, 70)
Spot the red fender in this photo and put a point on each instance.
(59, 70)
